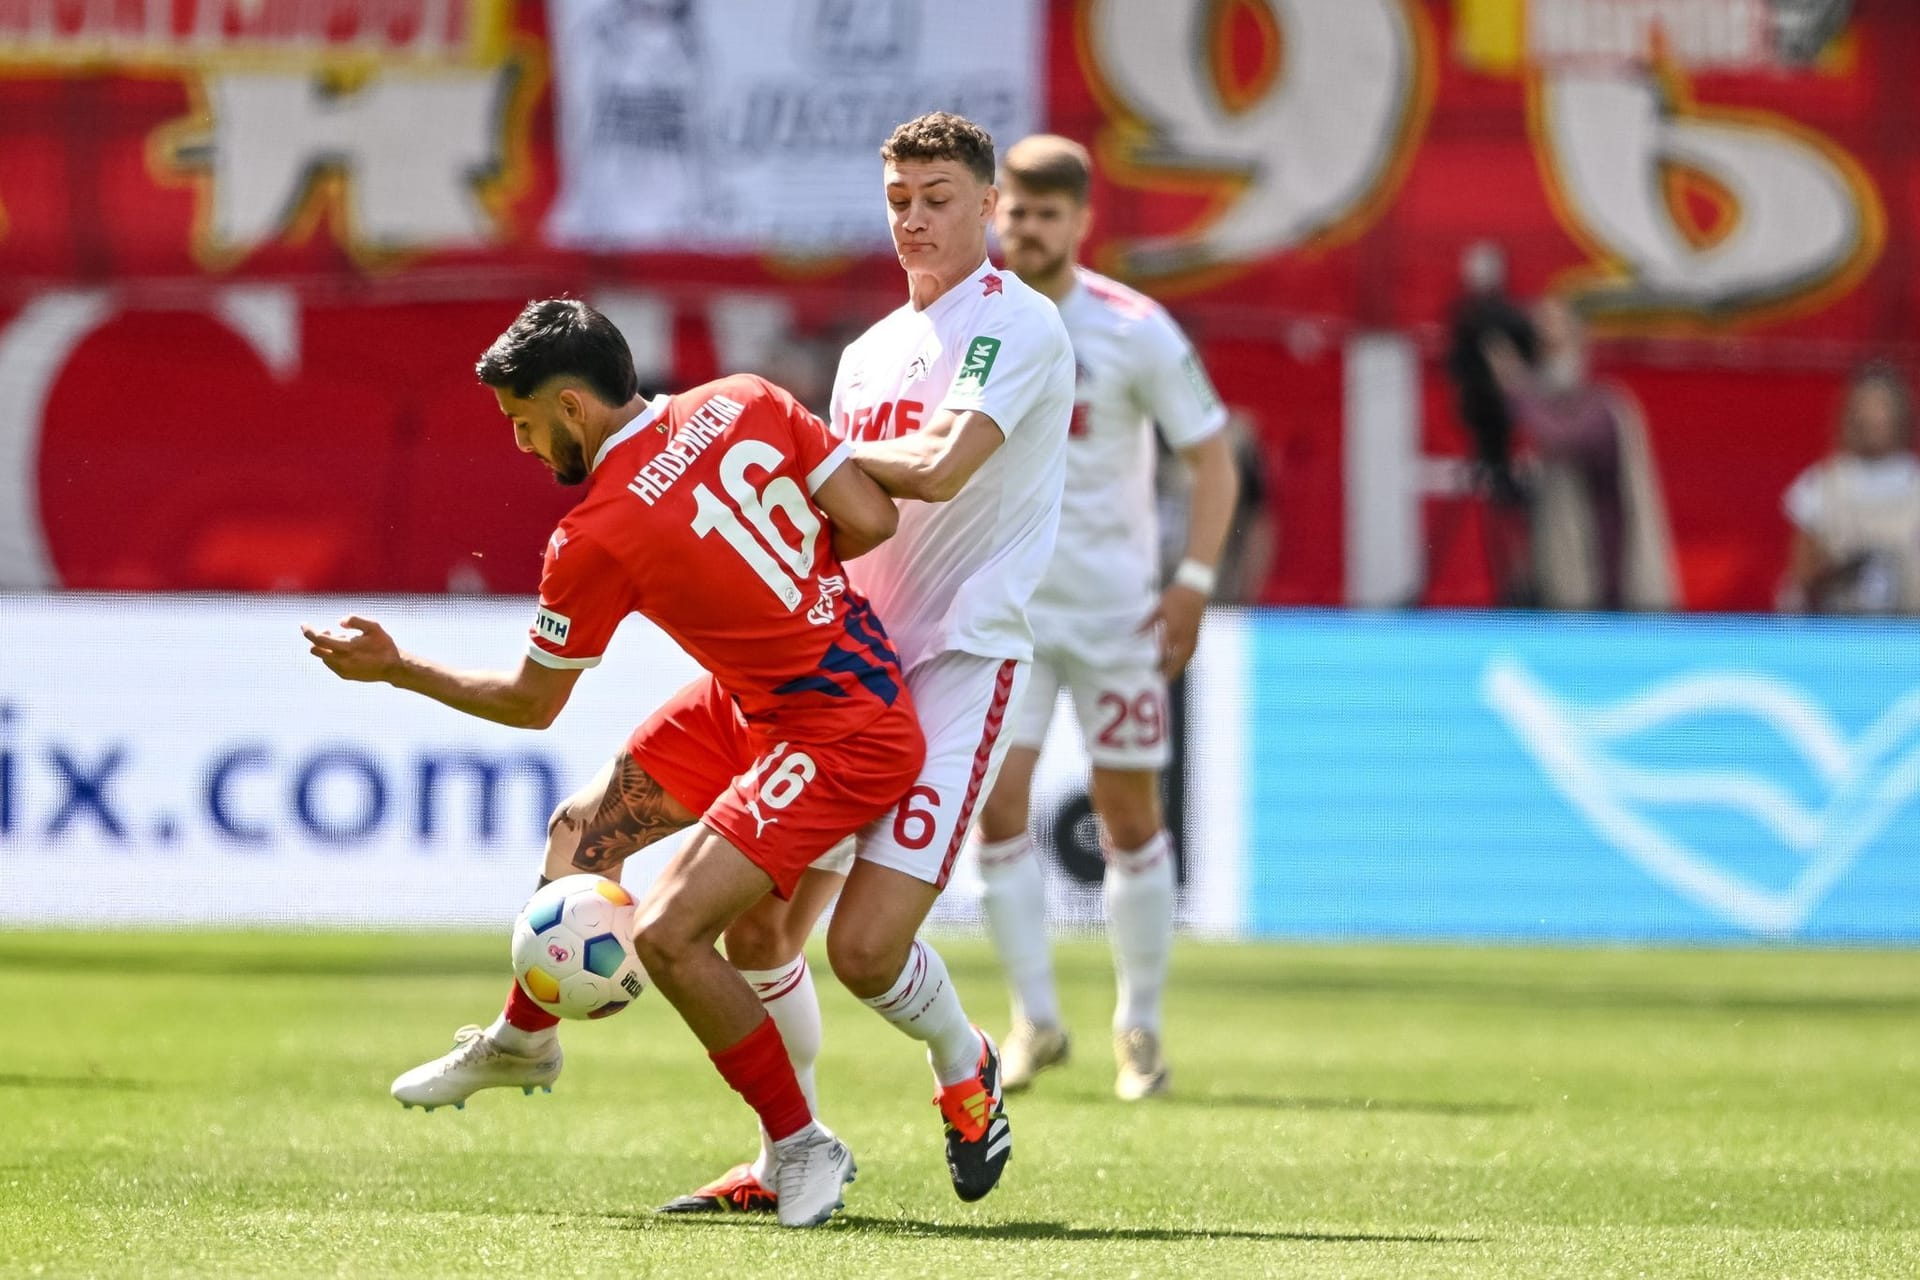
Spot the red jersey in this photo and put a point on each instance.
(699, 515)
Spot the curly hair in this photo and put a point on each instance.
(941, 135)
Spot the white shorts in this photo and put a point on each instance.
(963, 700)
(1118, 696)
(838, 860)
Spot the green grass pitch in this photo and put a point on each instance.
(206, 1104)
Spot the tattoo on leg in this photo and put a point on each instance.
(634, 812)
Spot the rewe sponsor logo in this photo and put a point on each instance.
(1662, 816)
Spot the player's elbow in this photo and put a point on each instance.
(943, 489)
(856, 533)
(875, 526)
(538, 713)
(941, 481)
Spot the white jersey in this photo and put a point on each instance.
(957, 575)
(1134, 368)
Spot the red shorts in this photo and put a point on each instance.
(781, 800)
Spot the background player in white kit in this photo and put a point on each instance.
(1101, 628)
(960, 399)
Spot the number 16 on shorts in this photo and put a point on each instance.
(781, 781)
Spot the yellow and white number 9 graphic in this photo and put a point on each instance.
(1307, 153)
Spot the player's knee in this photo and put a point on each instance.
(760, 944)
(1130, 828)
(866, 964)
(563, 841)
(1129, 808)
(1003, 815)
(663, 942)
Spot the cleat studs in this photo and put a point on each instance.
(459, 1106)
(526, 1090)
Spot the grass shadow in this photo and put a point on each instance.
(1041, 1230)
(1062, 1231)
(107, 1084)
(1393, 1106)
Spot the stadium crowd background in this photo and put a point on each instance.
(259, 247)
(248, 254)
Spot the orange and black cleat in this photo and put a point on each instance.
(979, 1139)
(736, 1191)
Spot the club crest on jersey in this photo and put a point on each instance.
(978, 366)
(554, 626)
(989, 285)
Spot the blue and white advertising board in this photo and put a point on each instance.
(1544, 778)
(1523, 778)
(184, 760)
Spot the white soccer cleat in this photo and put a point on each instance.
(809, 1173)
(1028, 1050)
(1144, 1072)
(476, 1063)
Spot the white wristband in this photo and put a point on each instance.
(1196, 577)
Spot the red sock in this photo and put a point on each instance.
(523, 1013)
(760, 1071)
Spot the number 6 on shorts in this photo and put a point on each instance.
(913, 828)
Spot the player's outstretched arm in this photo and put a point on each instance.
(863, 515)
(934, 463)
(361, 650)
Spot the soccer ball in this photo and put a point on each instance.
(573, 948)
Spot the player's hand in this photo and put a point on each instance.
(1178, 618)
(361, 650)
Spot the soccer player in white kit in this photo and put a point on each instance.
(959, 401)
(1103, 629)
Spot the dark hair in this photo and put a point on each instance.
(941, 135)
(1046, 164)
(1881, 373)
(561, 337)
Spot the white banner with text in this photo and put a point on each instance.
(185, 760)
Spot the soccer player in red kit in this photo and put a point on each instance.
(722, 515)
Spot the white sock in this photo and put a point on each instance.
(1016, 906)
(922, 1003)
(789, 998)
(1139, 907)
(514, 1040)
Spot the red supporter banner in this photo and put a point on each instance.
(208, 32)
(249, 250)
